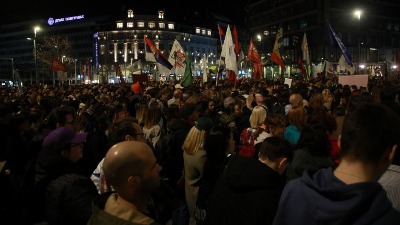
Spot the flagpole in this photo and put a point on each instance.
(219, 62)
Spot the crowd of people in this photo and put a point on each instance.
(253, 152)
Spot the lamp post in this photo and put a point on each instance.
(36, 29)
(358, 14)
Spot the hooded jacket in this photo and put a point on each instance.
(246, 193)
(321, 198)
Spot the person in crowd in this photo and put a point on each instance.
(297, 119)
(390, 181)
(250, 134)
(69, 193)
(274, 125)
(177, 98)
(250, 195)
(312, 152)
(132, 170)
(219, 145)
(151, 128)
(295, 99)
(194, 157)
(349, 194)
(126, 129)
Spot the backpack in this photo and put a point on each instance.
(247, 142)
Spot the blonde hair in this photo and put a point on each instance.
(141, 111)
(152, 117)
(194, 141)
(296, 100)
(257, 117)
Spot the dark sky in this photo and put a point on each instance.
(19, 11)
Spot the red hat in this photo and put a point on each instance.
(136, 88)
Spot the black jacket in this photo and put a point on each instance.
(247, 192)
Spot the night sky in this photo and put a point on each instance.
(20, 11)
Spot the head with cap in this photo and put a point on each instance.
(132, 170)
(195, 138)
(66, 141)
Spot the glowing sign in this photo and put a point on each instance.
(51, 21)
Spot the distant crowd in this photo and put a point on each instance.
(252, 152)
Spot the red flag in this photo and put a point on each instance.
(221, 34)
(232, 77)
(301, 65)
(276, 54)
(236, 36)
(257, 71)
(252, 53)
(57, 65)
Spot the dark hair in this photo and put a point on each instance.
(274, 148)
(368, 132)
(120, 129)
(314, 139)
(215, 144)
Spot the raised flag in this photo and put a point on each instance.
(304, 48)
(252, 53)
(335, 41)
(221, 34)
(135, 66)
(276, 55)
(228, 51)
(236, 37)
(188, 76)
(301, 66)
(160, 58)
(177, 58)
(253, 56)
(57, 65)
(343, 64)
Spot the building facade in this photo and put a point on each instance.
(372, 37)
(91, 48)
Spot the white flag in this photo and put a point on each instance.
(343, 64)
(177, 58)
(304, 48)
(136, 66)
(149, 56)
(228, 51)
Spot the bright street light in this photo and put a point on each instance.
(36, 29)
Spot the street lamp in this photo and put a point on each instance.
(358, 14)
(36, 29)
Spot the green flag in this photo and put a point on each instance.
(187, 77)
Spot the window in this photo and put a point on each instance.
(197, 30)
(209, 32)
(161, 25)
(120, 25)
(129, 24)
(203, 32)
(152, 25)
(140, 24)
(171, 26)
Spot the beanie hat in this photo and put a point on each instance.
(60, 137)
(136, 88)
(204, 123)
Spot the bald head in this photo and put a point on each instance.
(125, 159)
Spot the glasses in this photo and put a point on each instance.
(75, 145)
